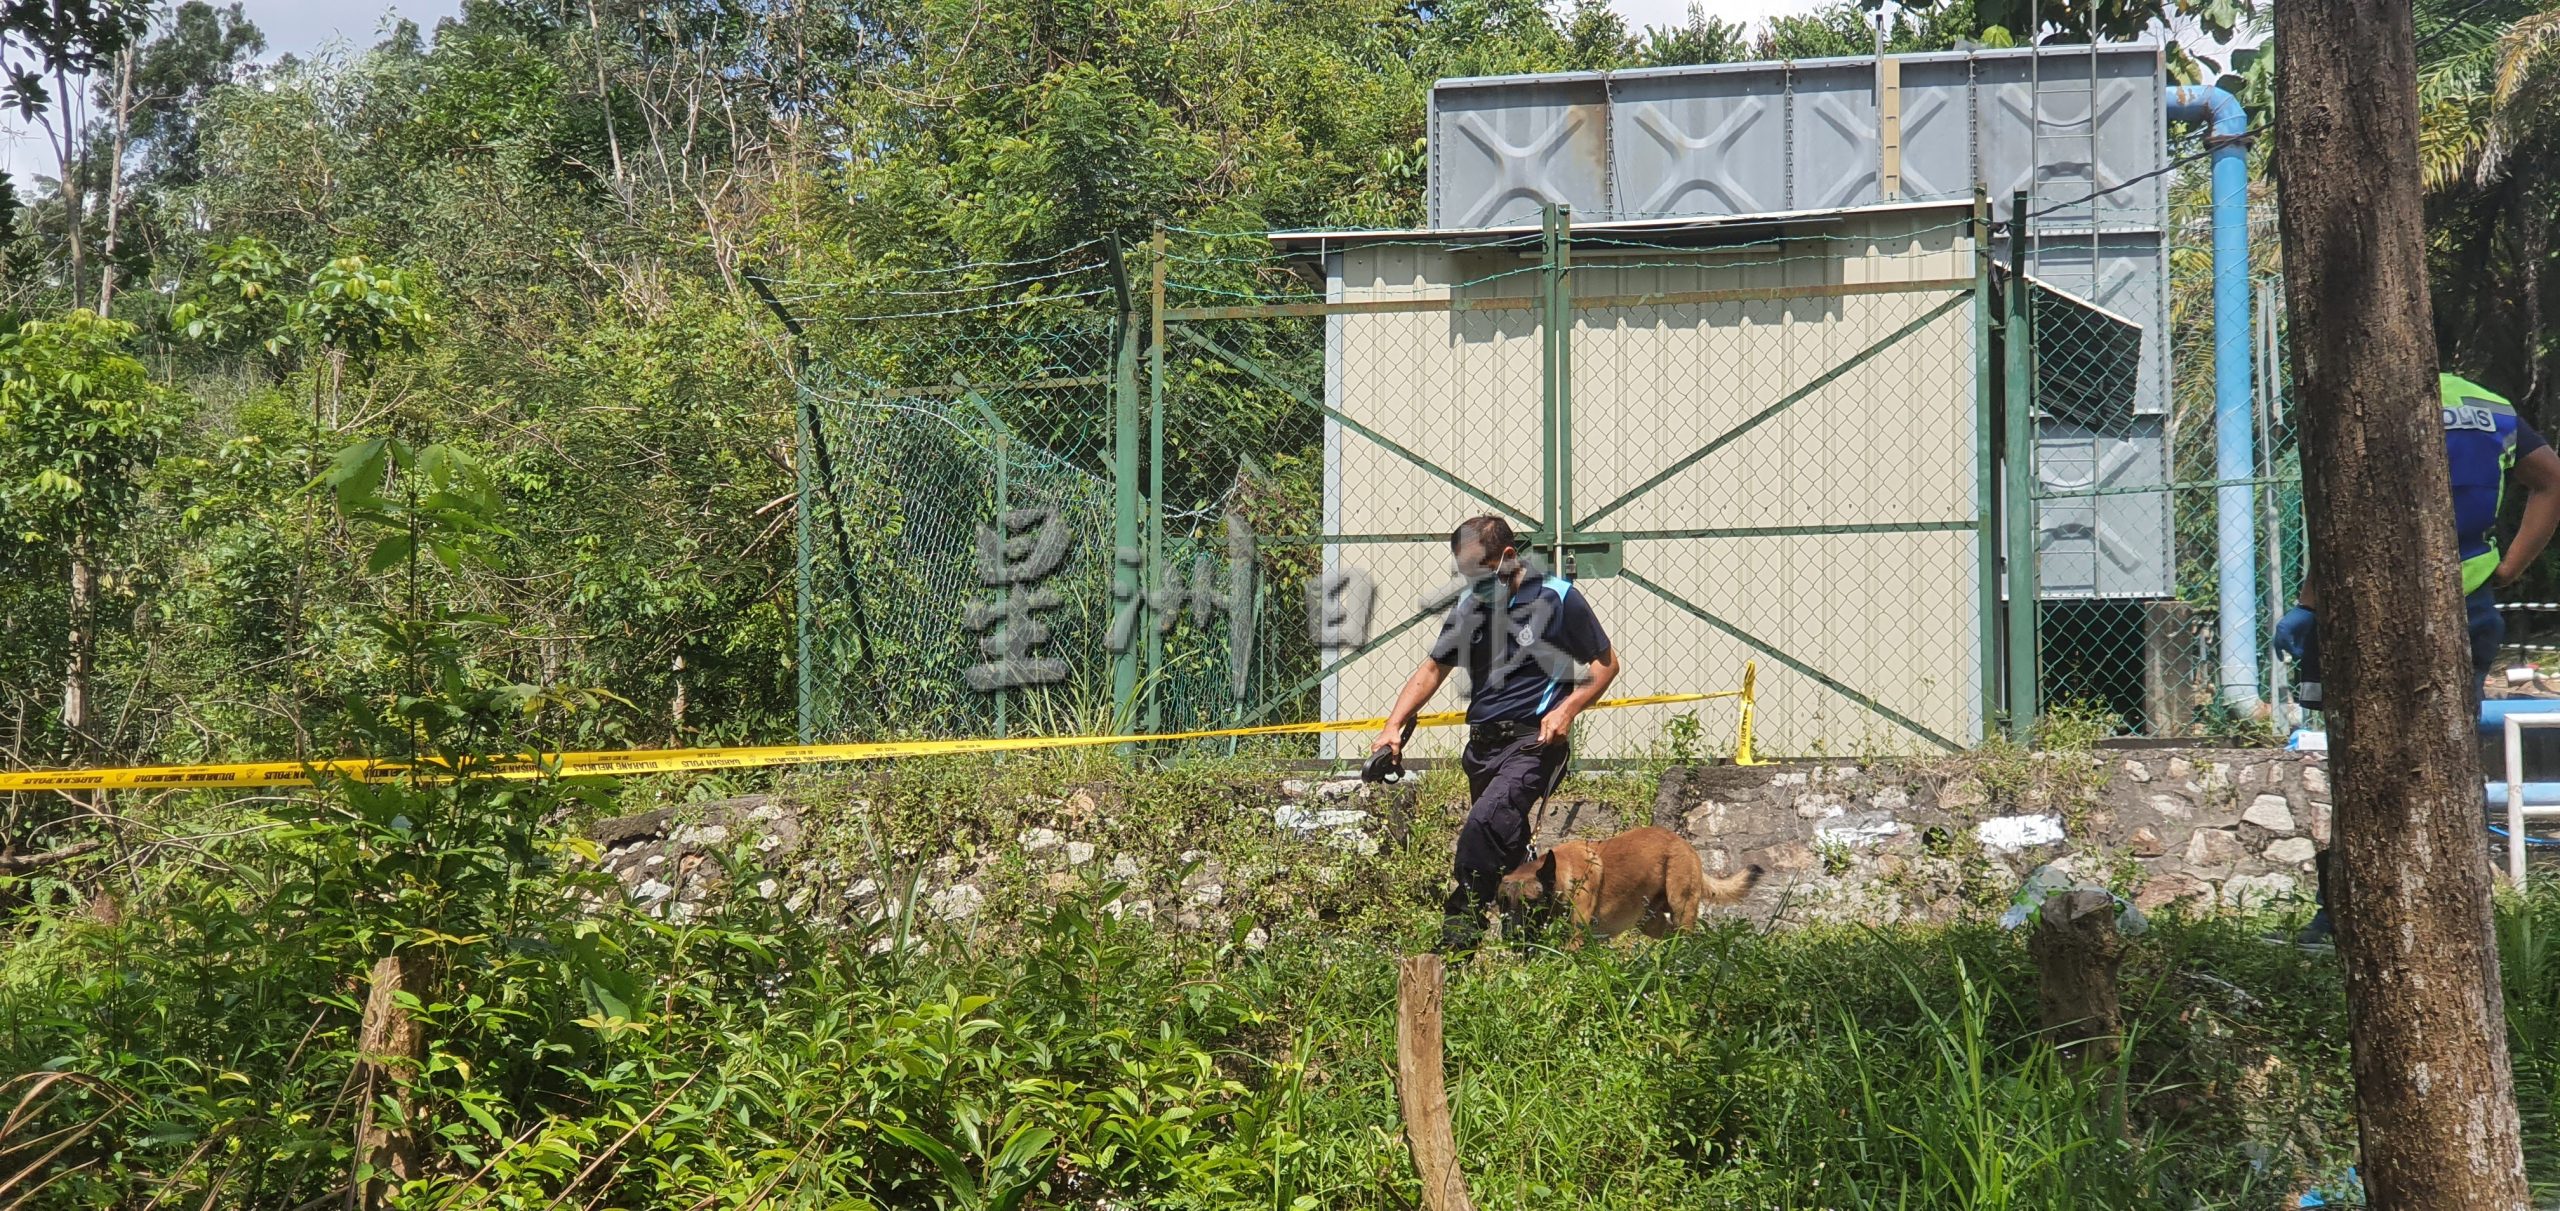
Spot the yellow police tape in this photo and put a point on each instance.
(660, 761)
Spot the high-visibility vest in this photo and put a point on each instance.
(2479, 448)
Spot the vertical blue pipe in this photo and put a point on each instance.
(2234, 402)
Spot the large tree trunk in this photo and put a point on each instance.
(2435, 1099)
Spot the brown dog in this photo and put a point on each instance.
(1644, 878)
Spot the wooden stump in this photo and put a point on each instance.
(1419, 1087)
(2077, 951)
(388, 1050)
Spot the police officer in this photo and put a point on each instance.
(2484, 443)
(1526, 641)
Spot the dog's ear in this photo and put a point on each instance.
(1529, 880)
(1547, 871)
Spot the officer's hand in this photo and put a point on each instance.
(2507, 576)
(2293, 631)
(1389, 739)
(1555, 725)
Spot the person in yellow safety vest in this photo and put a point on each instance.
(2485, 443)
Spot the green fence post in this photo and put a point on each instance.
(2018, 344)
(805, 683)
(1124, 485)
(1004, 503)
(1560, 305)
(1551, 227)
(1154, 568)
(1986, 458)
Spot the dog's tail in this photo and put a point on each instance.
(1725, 889)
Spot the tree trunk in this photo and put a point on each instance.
(2077, 953)
(67, 156)
(388, 1049)
(604, 97)
(115, 180)
(2435, 1099)
(82, 642)
(675, 708)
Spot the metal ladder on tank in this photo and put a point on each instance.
(2070, 204)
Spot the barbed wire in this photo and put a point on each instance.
(866, 288)
(998, 305)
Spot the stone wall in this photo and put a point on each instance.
(1939, 838)
(1921, 839)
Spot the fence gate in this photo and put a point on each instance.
(1767, 441)
(1212, 482)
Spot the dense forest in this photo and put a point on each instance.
(432, 393)
(532, 239)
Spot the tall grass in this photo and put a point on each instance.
(2529, 953)
(1070, 1055)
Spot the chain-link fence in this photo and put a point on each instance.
(2170, 543)
(1226, 477)
(958, 464)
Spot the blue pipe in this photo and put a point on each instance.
(2536, 794)
(2234, 452)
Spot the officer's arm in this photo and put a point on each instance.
(1603, 671)
(2539, 472)
(1418, 689)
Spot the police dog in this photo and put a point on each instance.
(1644, 878)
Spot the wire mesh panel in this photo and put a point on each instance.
(1740, 446)
(1783, 457)
(1743, 441)
(2168, 546)
(958, 569)
(1443, 417)
(1350, 417)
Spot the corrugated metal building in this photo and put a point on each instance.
(1778, 444)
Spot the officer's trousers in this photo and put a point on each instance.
(1505, 780)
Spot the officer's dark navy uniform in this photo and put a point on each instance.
(2483, 438)
(1535, 655)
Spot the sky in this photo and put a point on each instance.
(301, 27)
(305, 27)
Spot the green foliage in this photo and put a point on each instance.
(79, 422)
(2076, 726)
(239, 301)
(589, 1051)
(1686, 737)
(355, 307)
(171, 76)
(2069, 21)
(2529, 964)
(1700, 39)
